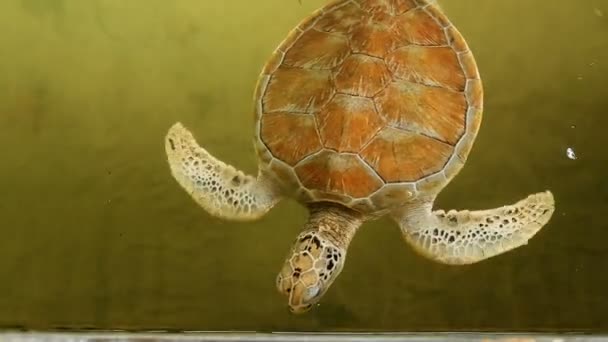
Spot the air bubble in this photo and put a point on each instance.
(570, 153)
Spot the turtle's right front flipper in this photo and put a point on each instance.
(220, 189)
(465, 237)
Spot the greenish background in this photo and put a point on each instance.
(94, 232)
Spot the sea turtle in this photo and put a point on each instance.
(367, 108)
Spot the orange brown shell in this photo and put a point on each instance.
(369, 103)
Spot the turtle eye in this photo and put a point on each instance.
(312, 292)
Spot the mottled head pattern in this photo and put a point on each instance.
(368, 103)
(314, 264)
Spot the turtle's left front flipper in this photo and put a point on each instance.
(465, 237)
(219, 188)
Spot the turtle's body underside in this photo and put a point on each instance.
(363, 94)
(367, 108)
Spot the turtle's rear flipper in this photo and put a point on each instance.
(465, 237)
(222, 190)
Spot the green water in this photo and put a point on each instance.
(95, 233)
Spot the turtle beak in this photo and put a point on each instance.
(301, 298)
(300, 309)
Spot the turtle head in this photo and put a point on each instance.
(308, 272)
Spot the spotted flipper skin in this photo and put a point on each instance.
(465, 237)
(220, 189)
